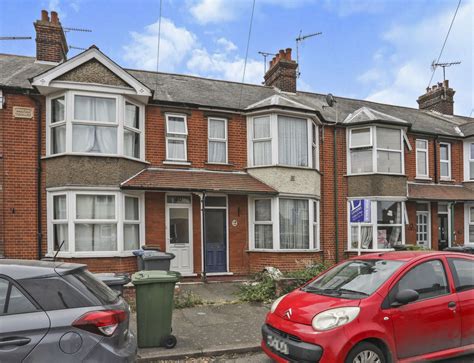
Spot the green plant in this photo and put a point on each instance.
(265, 289)
(186, 299)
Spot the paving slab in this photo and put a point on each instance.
(211, 330)
(217, 293)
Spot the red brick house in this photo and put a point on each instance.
(229, 177)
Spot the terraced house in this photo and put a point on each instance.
(229, 177)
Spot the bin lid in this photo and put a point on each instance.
(154, 276)
(157, 255)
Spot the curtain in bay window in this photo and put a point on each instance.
(94, 139)
(58, 142)
(294, 224)
(94, 109)
(131, 144)
(292, 141)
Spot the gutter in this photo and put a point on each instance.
(39, 171)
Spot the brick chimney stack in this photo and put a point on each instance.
(282, 72)
(51, 45)
(440, 97)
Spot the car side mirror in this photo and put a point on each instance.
(404, 297)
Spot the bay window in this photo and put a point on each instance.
(96, 124)
(375, 149)
(217, 141)
(470, 224)
(176, 137)
(376, 225)
(285, 224)
(445, 160)
(94, 223)
(422, 170)
(283, 140)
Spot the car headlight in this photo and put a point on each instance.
(276, 302)
(333, 318)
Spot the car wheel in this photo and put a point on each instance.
(366, 353)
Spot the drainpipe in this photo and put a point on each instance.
(453, 229)
(336, 194)
(39, 131)
(203, 213)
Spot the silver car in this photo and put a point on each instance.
(59, 312)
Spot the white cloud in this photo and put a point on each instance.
(175, 45)
(181, 51)
(219, 11)
(401, 76)
(350, 7)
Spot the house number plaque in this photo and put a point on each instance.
(23, 112)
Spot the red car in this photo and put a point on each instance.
(378, 308)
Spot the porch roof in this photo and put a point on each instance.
(440, 192)
(197, 180)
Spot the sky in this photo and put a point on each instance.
(369, 49)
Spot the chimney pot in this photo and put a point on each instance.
(54, 17)
(446, 83)
(438, 98)
(288, 54)
(44, 15)
(433, 87)
(282, 72)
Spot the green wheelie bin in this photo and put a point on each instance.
(154, 296)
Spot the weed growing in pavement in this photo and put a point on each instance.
(187, 299)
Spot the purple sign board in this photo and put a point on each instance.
(360, 211)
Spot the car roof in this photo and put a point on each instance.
(25, 269)
(407, 255)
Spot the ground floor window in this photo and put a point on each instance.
(376, 225)
(470, 223)
(94, 222)
(284, 223)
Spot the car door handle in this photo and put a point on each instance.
(18, 341)
(451, 304)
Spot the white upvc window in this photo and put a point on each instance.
(445, 160)
(283, 140)
(176, 137)
(382, 229)
(88, 123)
(375, 149)
(468, 160)
(217, 140)
(284, 224)
(422, 161)
(94, 223)
(471, 161)
(469, 217)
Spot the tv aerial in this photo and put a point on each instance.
(15, 38)
(265, 55)
(435, 65)
(299, 40)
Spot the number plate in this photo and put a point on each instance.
(277, 344)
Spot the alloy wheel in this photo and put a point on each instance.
(367, 356)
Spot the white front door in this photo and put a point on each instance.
(423, 225)
(179, 232)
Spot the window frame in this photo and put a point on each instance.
(454, 273)
(274, 140)
(70, 121)
(225, 140)
(374, 224)
(468, 223)
(119, 220)
(176, 136)
(445, 161)
(374, 148)
(314, 241)
(426, 152)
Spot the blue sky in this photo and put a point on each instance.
(369, 49)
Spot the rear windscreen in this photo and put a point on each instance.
(79, 289)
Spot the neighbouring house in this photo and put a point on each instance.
(229, 177)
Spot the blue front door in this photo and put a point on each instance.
(215, 240)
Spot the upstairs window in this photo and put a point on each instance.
(217, 145)
(375, 149)
(422, 159)
(445, 160)
(283, 140)
(85, 123)
(262, 141)
(176, 137)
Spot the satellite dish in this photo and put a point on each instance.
(330, 100)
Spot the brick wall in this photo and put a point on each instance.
(197, 122)
(287, 261)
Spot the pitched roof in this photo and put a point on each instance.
(193, 180)
(190, 90)
(365, 115)
(439, 192)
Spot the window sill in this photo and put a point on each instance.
(388, 174)
(284, 251)
(222, 164)
(281, 166)
(89, 254)
(371, 250)
(94, 155)
(423, 178)
(176, 162)
(210, 274)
